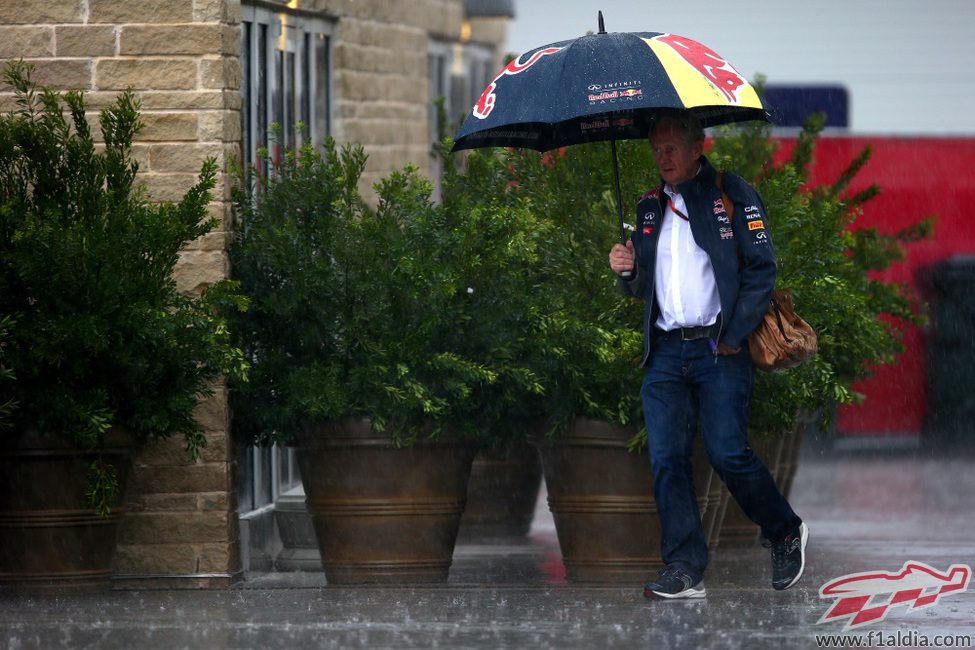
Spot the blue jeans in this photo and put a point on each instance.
(684, 377)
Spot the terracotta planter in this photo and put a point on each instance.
(52, 540)
(383, 514)
(601, 497)
(501, 494)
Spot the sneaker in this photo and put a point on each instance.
(789, 558)
(674, 582)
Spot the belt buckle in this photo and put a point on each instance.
(684, 333)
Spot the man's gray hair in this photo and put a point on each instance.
(681, 121)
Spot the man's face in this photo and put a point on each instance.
(677, 160)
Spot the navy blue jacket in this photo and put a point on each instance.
(745, 286)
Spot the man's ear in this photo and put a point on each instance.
(698, 149)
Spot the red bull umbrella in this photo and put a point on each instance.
(605, 87)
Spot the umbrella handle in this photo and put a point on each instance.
(626, 275)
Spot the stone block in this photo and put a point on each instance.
(169, 503)
(219, 558)
(169, 127)
(183, 157)
(216, 240)
(156, 559)
(178, 528)
(167, 187)
(167, 452)
(139, 11)
(187, 479)
(217, 449)
(193, 39)
(219, 126)
(215, 501)
(39, 12)
(198, 270)
(85, 40)
(17, 42)
(216, 11)
(174, 100)
(212, 413)
(220, 73)
(146, 74)
(60, 74)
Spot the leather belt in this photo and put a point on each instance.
(686, 333)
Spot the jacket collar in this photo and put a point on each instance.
(705, 176)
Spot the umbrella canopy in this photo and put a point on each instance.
(605, 87)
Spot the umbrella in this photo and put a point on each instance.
(605, 86)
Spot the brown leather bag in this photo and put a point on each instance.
(782, 340)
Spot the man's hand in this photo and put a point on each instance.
(622, 258)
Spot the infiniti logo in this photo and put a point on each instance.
(595, 87)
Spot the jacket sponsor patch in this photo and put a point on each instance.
(647, 230)
(756, 225)
(726, 232)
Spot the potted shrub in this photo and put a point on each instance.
(368, 333)
(107, 353)
(600, 493)
(501, 246)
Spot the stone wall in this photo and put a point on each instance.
(182, 59)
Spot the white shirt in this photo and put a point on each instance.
(683, 277)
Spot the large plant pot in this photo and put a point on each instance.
(382, 513)
(501, 494)
(52, 540)
(601, 497)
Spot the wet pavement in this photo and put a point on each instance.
(867, 510)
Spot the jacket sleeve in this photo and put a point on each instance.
(758, 268)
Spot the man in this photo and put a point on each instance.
(705, 273)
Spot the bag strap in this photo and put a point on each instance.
(778, 319)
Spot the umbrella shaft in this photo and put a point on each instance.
(619, 200)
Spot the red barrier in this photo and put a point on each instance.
(917, 177)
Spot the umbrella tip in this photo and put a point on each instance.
(602, 25)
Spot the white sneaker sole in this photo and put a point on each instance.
(687, 594)
(804, 537)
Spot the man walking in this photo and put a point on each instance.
(705, 272)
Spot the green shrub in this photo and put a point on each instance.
(100, 336)
(390, 314)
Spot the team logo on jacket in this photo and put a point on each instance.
(720, 213)
(647, 230)
(726, 232)
(756, 225)
(651, 194)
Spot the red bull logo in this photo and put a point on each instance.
(485, 103)
(707, 62)
(868, 597)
